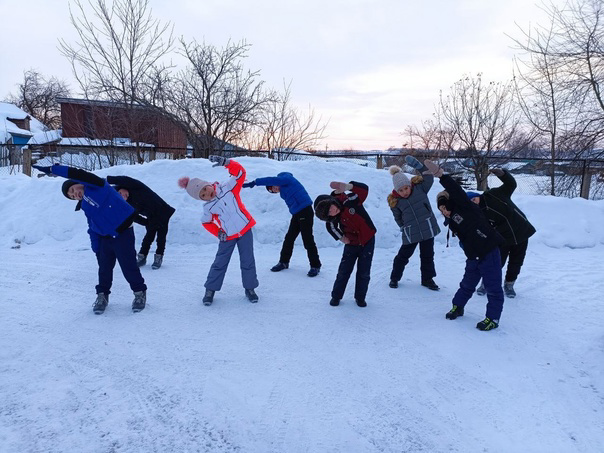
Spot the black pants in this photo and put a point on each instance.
(516, 254)
(301, 222)
(426, 256)
(352, 253)
(161, 231)
(121, 249)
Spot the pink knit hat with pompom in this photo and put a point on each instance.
(193, 186)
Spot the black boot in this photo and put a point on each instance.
(454, 313)
(139, 302)
(487, 324)
(334, 302)
(508, 289)
(157, 261)
(314, 271)
(208, 298)
(393, 284)
(251, 295)
(361, 303)
(100, 304)
(141, 259)
(429, 283)
(279, 267)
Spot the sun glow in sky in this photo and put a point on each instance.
(368, 67)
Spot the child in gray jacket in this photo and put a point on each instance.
(412, 212)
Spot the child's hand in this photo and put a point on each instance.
(497, 172)
(433, 168)
(413, 162)
(222, 236)
(249, 184)
(339, 187)
(219, 161)
(345, 240)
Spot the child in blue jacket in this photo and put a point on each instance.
(110, 228)
(300, 207)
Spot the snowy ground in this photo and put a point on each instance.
(291, 373)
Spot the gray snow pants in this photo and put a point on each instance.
(245, 244)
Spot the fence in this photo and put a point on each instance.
(535, 176)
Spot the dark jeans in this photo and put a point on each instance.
(121, 249)
(162, 232)
(489, 269)
(426, 256)
(301, 222)
(352, 253)
(516, 254)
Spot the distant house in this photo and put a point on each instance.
(16, 125)
(119, 124)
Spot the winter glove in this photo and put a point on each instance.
(497, 172)
(222, 236)
(413, 162)
(249, 184)
(339, 187)
(219, 161)
(45, 170)
(433, 168)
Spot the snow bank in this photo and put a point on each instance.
(33, 209)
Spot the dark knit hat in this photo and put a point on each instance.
(442, 199)
(472, 194)
(66, 185)
(322, 204)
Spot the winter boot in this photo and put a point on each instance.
(139, 302)
(481, 291)
(314, 271)
(454, 313)
(251, 295)
(429, 283)
(100, 304)
(208, 298)
(157, 261)
(487, 324)
(279, 267)
(334, 302)
(393, 284)
(508, 289)
(141, 259)
(361, 303)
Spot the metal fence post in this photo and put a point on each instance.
(380, 162)
(27, 162)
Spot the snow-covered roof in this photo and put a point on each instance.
(40, 138)
(85, 141)
(10, 112)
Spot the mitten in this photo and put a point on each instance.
(219, 161)
(433, 168)
(249, 184)
(222, 236)
(339, 187)
(497, 172)
(413, 162)
(46, 170)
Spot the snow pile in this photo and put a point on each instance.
(34, 209)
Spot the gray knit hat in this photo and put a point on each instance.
(399, 179)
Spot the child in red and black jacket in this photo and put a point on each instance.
(348, 221)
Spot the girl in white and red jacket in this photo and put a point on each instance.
(225, 216)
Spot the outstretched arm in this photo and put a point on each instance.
(126, 182)
(77, 174)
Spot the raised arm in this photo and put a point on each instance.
(126, 182)
(509, 183)
(77, 174)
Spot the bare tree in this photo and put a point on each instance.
(283, 129)
(572, 41)
(215, 97)
(119, 52)
(482, 119)
(37, 96)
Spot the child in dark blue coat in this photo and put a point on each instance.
(480, 243)
(300, 207)
(110, 228)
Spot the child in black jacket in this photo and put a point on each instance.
(156, 211)
(480, 243)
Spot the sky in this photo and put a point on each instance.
(368, 68)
